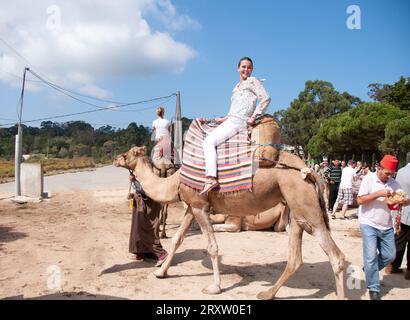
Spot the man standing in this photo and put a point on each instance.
(345, 194)
(335, 173)
(403, 238)
(376, 222)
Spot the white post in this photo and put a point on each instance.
(17, 162)
(178, 131)
(19, 141)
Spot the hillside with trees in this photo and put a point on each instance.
(77, 139)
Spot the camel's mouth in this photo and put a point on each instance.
(119, 161)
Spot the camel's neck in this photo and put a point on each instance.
(159, 189)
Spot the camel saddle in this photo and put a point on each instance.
(266, 137)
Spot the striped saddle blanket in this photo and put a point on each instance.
(234, 160)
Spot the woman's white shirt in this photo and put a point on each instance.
(161, 127)
(244, 98)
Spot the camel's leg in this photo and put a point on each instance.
(176, 242)
(231, 224)
(226, 227)
(202, 217)
(294, 260)
(164, 216)
(336, 258)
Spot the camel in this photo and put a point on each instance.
(271, 185)
(275, 218)
(163, 168)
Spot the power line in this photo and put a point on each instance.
(165, 102)
(15, 51)
(96, 110)
(56, 86)
(43, 79)
(60, 90)
(18, 77)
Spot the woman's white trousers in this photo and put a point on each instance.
(225, 130)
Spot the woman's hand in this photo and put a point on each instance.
(220, 120)
(251, 121)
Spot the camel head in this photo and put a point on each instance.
(127, 159)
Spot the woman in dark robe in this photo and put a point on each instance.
(144, 236)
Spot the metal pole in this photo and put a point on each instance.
(19, 142)
(178, 130)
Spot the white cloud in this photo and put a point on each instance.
(77, 43)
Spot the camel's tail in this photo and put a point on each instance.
(319, 189)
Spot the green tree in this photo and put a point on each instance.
(397, 94)
(397, 136)
(357, 130)
(317, 102)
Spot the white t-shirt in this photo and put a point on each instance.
(376, 213)
(161, 127)
(348, 174)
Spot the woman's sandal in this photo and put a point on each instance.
(209, 186)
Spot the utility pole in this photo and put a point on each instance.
(178, 130)
(19, 141)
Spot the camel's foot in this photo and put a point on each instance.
(265, 295)
(212, 289)
(160, 274)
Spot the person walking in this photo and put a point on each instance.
(335, 174)
(376, 223)
(402, 240)
(345, 193)
(144, 241)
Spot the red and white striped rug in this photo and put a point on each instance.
(234, 160)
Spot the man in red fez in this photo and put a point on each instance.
(376, 222)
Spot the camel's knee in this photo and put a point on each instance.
(340, 264)
(294, 265)
(213, 250)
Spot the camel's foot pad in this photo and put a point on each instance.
(265, 295)
(212, 289)
(160, 274)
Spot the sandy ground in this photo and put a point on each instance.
(75, 246)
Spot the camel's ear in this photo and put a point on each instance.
(135, 151)
(139, 151)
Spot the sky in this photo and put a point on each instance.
(135, 50)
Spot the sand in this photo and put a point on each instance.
(75, 246)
